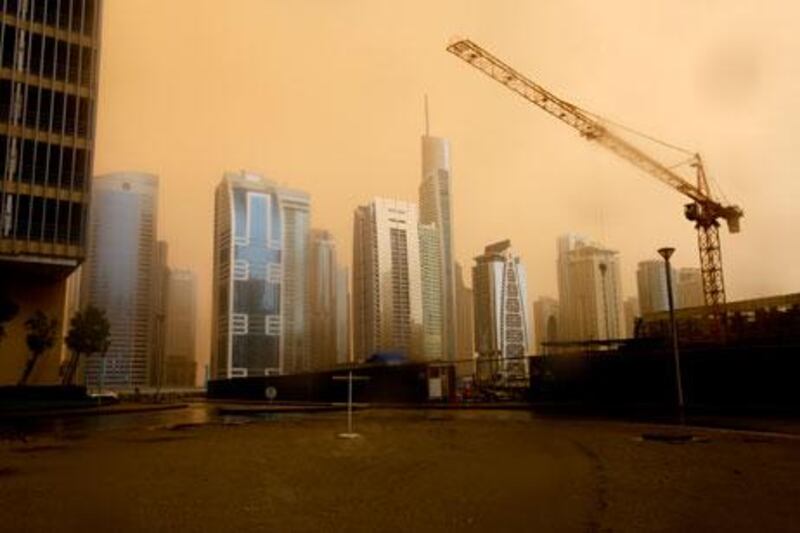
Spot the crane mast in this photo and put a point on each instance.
(704, 210)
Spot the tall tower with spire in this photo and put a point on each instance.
(435, 204)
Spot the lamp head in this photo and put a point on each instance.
(666, 253)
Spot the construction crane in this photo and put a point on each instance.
(704, 210)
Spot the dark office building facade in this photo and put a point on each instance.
(48, 93)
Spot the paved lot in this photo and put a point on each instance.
(411, 471)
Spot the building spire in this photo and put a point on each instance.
(427, 124)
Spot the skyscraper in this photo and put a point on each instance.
(48, 90)
(121, 273)
(430, 265)
(566, 243)
(295, 209)
(689, 288)
(465, 318)
(387, 292)
(592, 307)
(247, 278)
(545, 321)
(499, 288)
(632, 313)
(260, 316)
(181, 320)
(323, 292)
(158, 309)
(342, 315)
(651, 281)
(435, 207)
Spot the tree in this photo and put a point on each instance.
(41, 337)
(88, 334)
(8, 310)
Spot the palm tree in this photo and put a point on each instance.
(8, 310)
(41, 337)
(89, 333)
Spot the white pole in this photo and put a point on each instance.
(350, 402)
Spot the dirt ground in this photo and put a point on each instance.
(410, 471)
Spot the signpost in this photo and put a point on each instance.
(349, 377)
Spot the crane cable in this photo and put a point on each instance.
(713, 182)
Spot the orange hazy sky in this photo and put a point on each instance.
(326, 96)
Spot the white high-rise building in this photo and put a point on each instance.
(436, 207)
(430, 265)
(592, 307)
(651, 281)
(499, 287)
(260, 295)
(121, 273)
(387, 285)
(689, 288)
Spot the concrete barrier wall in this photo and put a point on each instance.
(741, 378)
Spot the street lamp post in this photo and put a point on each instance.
(666, 253)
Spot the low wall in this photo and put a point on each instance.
(386, 384)
(739, 379)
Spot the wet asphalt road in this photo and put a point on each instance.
(411, 470)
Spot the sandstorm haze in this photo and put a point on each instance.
(327, 96)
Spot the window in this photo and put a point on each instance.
(272, 325)
(258, 214)
(274, 273)
(241, 270)
(240, 323)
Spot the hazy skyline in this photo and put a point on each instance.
(327, 97)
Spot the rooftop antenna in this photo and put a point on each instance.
(427, 124)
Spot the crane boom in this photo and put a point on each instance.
(704, 210)
(570, 114)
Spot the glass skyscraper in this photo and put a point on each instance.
(260, 297)
(121, 273)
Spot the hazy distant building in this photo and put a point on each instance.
(121, 274)
(632, 314)
(387, 292)
(465, 317)
(689, 288)
(568, 329)
(180, 324)
(323, 279)
(500, 305)
(260, 300)
(296, 219)
(592, 307)
(651, 281)
(435, 207)
(160, 295)
(48, 90)
(430, 271)
(342, 315)
(545, 321)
